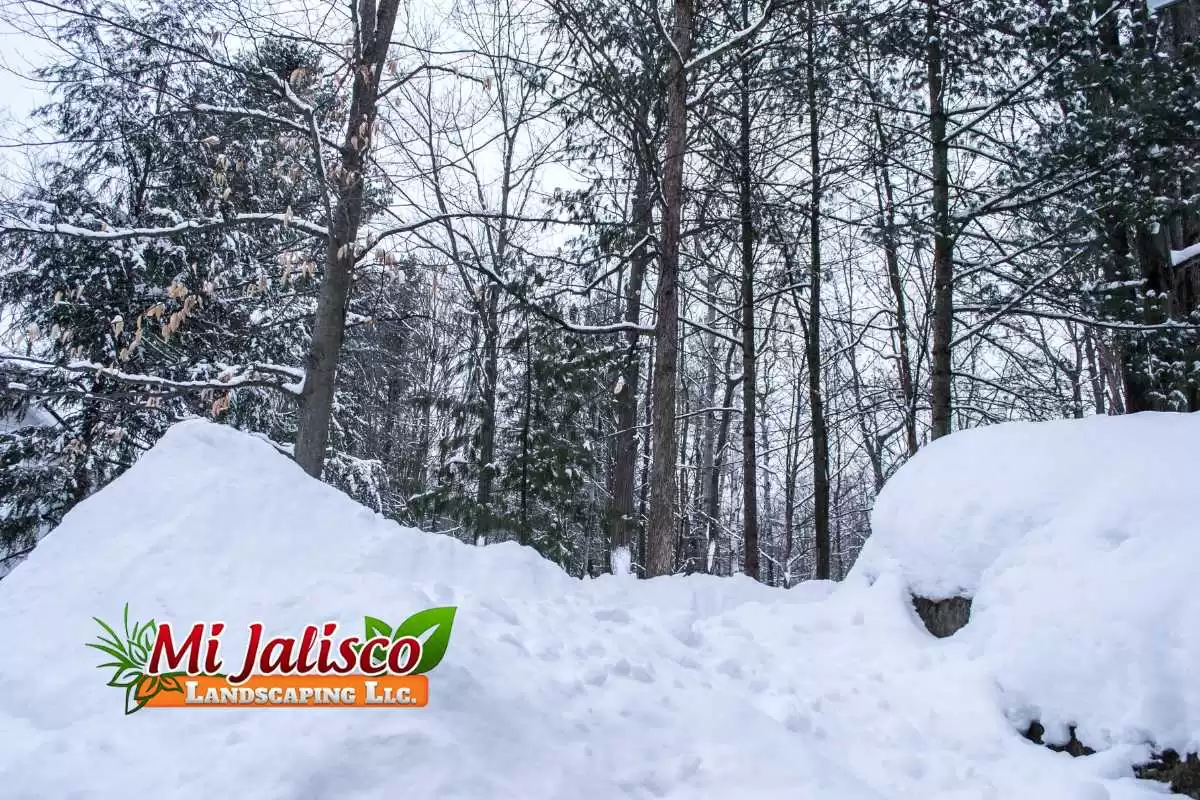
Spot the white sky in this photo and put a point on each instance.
(20, 54)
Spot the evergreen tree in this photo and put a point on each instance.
(1126, 139)
(102, 314)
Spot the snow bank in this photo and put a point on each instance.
(551, 688)
(1080, 543)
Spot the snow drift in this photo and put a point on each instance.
(1080, 543)
(552, 687)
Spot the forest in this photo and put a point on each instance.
(650, 287)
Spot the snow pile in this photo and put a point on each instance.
(1080, 543)
(552, 687)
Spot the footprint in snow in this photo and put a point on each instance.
(595, 677)
(731, 668)
(508, 638)
(643, 674)
(501, 610)
(551, 652)
(798, 723)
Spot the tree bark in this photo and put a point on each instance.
(891, 251)
(661, 523)
(705, 491)
(487, 420)
(621, 510)
(498, 247)
(816, 402)
(749, 379)
(329, 324)
(791, 473)
(712, 494)
(943, 242)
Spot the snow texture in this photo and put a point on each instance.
(1079, 543)
(695, 687)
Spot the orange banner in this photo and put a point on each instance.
(288, 691)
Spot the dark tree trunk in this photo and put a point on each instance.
(816, 401)
(891, 251)
(329, 325)
(749, 380)
(523, 533)
(621, 509)
(943, 241)
(644, 486)
(712, 494)
(661, 524)
(487, 420)
(791, 473)
(703, 529)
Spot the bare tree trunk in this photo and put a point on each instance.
(706, 491)
(872, 442)
(749, 379)
(1095, 375)
(768, 543)
(943, 242)
(621, 511)
(644, 488)
(523, 532)
(498, 247)
(816, 402)
(681, 557)
(661, 524)
(891, 251)
(1075, 373)
(712, 495)
(791, 473)
(487, 421)
(329, 325)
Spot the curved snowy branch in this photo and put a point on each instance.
(187, 226)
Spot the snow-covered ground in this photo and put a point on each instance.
(614, 688)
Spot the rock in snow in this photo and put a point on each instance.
(692, 687)
(1080, 544)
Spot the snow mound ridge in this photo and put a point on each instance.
(677, 688)
(1078, 540)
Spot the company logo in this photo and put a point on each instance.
(159, 666)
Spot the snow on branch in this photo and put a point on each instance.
(1186, 254)
(734, 40)
(268, 376)
(1091, 322)
(187, 226)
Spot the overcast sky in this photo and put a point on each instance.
(20, 54)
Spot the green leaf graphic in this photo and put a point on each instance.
(433, 650)
(377, 628)
(131, 652)
(126, 676)
(132, 701)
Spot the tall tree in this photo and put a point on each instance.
(346, 203)
(660, 556)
